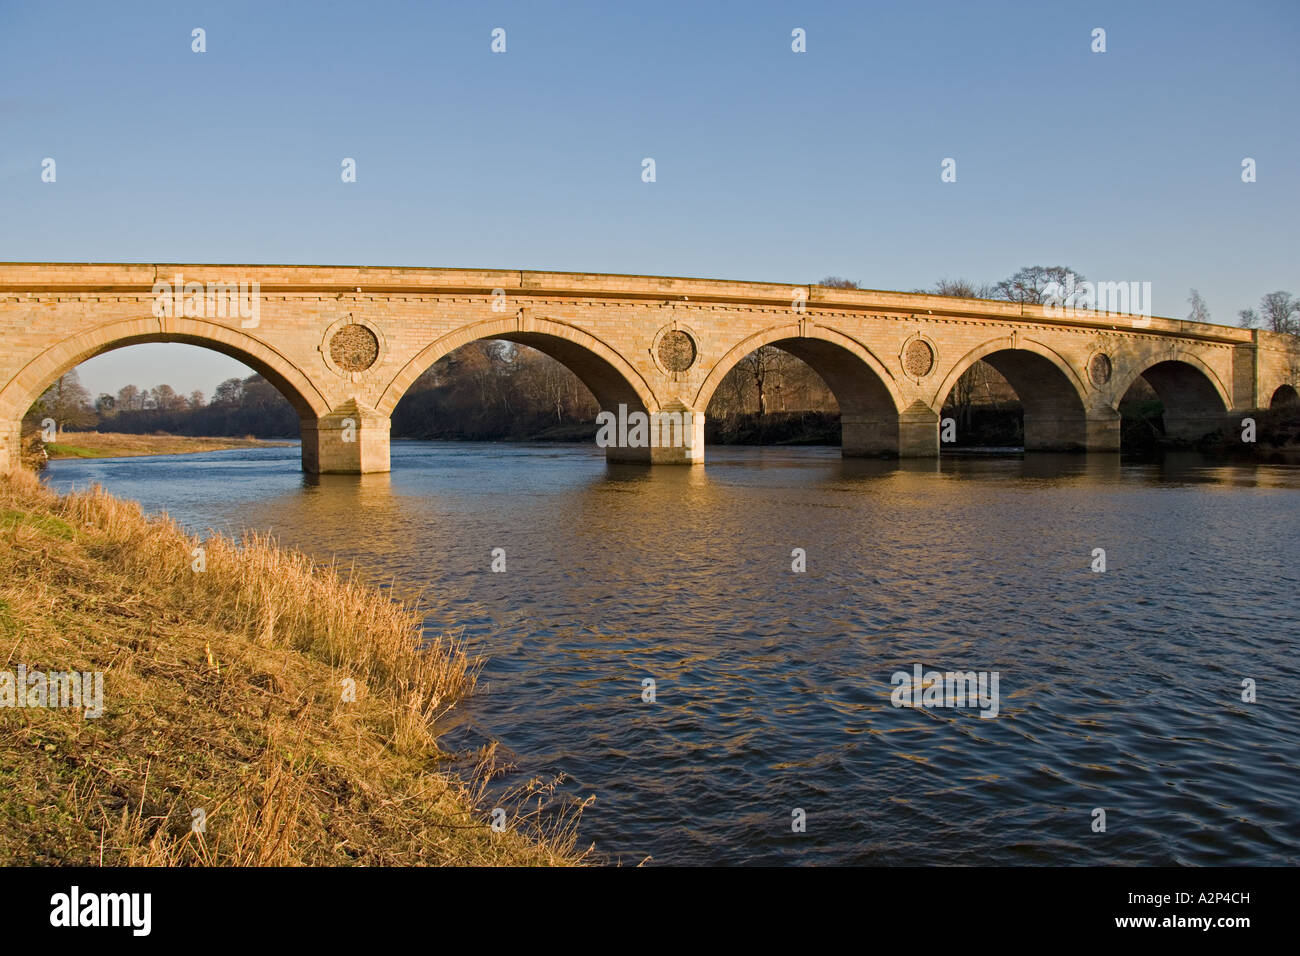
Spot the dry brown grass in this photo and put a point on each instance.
(224, 692)
(120, 445)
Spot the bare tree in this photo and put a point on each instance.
(979, 385)
(165, 399)
(962, 289)
(1278, 312)
(128, 398)
(1281, 312)
(835, 282)
(1200, 312)
(1028, 284)
(757, 365)
(228, 392)
(67, 402)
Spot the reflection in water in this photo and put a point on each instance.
(1120, 690)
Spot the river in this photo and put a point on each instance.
(1119, 691)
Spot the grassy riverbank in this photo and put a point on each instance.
(224, 692)
(119, 445)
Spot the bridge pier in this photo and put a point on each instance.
(350, 440)
(918, 432)
(1055, 433)
(868, 437)
(674, 435)
(10, 446)
(1102, 429)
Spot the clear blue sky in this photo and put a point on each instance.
(771, 165)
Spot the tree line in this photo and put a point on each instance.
(239, 406)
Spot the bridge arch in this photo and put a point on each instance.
(863, 387)
(610, 377)
(1194, 397)
(26, 387)
(1284, 396)
(1051, 392)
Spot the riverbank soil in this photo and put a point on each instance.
(256, 709)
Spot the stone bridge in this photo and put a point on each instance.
(344, 344)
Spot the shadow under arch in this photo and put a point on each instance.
(1195, 401)
(863, 388)
(26, 387)
(1050, 391)
(609, 377)
(1284, 396)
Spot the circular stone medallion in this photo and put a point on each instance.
(1099, 369)
(676, 351)
(918, 359)
(354, 348)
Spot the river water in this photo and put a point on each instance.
(1118, 691)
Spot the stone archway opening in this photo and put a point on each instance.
(497, 390)
(172, 388)
(1170, 401)
(1013, 398)
(984, 409)
(250, 396)
(805, 390)
(547, 382)
(771, 396)
(1284, 396)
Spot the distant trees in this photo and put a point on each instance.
(489, 390)
(229, 392)
(770, 380)
(128, 397)
(1200, 311)
(165, 399)
(66, 402)
(1028, 285)
(981, 385)
(755, 366)
(1278, 312)
(247, 406)
(962, 289)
